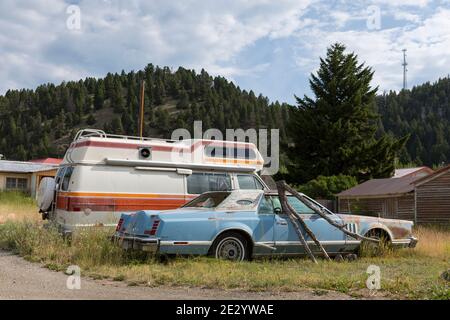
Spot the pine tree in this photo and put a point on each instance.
(99, 97)
(335, 132)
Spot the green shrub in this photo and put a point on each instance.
(327, 187)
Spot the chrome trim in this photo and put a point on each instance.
(188, 242)
(296, 243)
(164, 164)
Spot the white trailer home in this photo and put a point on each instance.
(103, 175)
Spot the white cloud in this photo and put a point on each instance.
(401, 15)
(403, 3)
(428, 46)
(36, 45)
(222, 36)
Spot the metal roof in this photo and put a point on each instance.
(430, 177)
(51, 161)
(382, 187)
(23, 167)
(407, 171)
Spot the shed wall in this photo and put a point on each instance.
(433, 200)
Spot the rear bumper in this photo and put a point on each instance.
(150, 245)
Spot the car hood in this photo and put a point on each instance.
(359, 218)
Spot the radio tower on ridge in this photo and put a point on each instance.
(405, 70)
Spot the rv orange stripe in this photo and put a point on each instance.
(116, 204)
(124, 195)
(234, 161)
(121, 145)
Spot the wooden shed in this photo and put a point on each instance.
(401, 197)
(432, 198)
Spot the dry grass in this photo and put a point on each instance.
(405, 273)
(14, 206)
(433, 241)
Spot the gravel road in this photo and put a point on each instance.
(20, 279)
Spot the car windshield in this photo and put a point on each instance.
(208, 200)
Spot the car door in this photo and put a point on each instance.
(286, 238)
(263, 234)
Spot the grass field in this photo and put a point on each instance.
(404, 273)
(15, 206)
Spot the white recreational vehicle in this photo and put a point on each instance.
(103, 175)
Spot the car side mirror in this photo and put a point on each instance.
(278, 210)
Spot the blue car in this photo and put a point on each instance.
(242, 224)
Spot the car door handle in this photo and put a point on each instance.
(283, 223)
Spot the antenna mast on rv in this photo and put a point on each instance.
(141, 110)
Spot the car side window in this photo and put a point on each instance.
(200, 182)
(299, 206)
(266, 206)
(249, 182)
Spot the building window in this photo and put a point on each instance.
(16, 183)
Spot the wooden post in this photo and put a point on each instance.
(141, 110)
(285, 208)
(318, 210)
(293, 213)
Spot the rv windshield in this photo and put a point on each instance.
(207, 200)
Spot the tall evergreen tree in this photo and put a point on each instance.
(334, 133)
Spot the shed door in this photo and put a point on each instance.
(390, 208)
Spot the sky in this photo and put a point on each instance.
(270, 47)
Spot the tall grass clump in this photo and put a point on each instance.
(434, 241)
(87, 248)
(405, 273)
(17, 206)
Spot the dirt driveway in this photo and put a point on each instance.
(20, 279)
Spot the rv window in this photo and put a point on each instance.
(66, 179)
(249, 182)
(59, 175)
(230, 152)
(200, 182)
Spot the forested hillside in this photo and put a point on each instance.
(424, 113)
(41, 122)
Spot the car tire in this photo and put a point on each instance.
(231, 246)
(368, 248)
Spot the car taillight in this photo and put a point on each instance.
(154, 228)
(119, 225)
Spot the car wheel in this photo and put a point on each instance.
(231, 246)
(372, 249)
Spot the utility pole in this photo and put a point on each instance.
(405, 70)
(141, 110)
